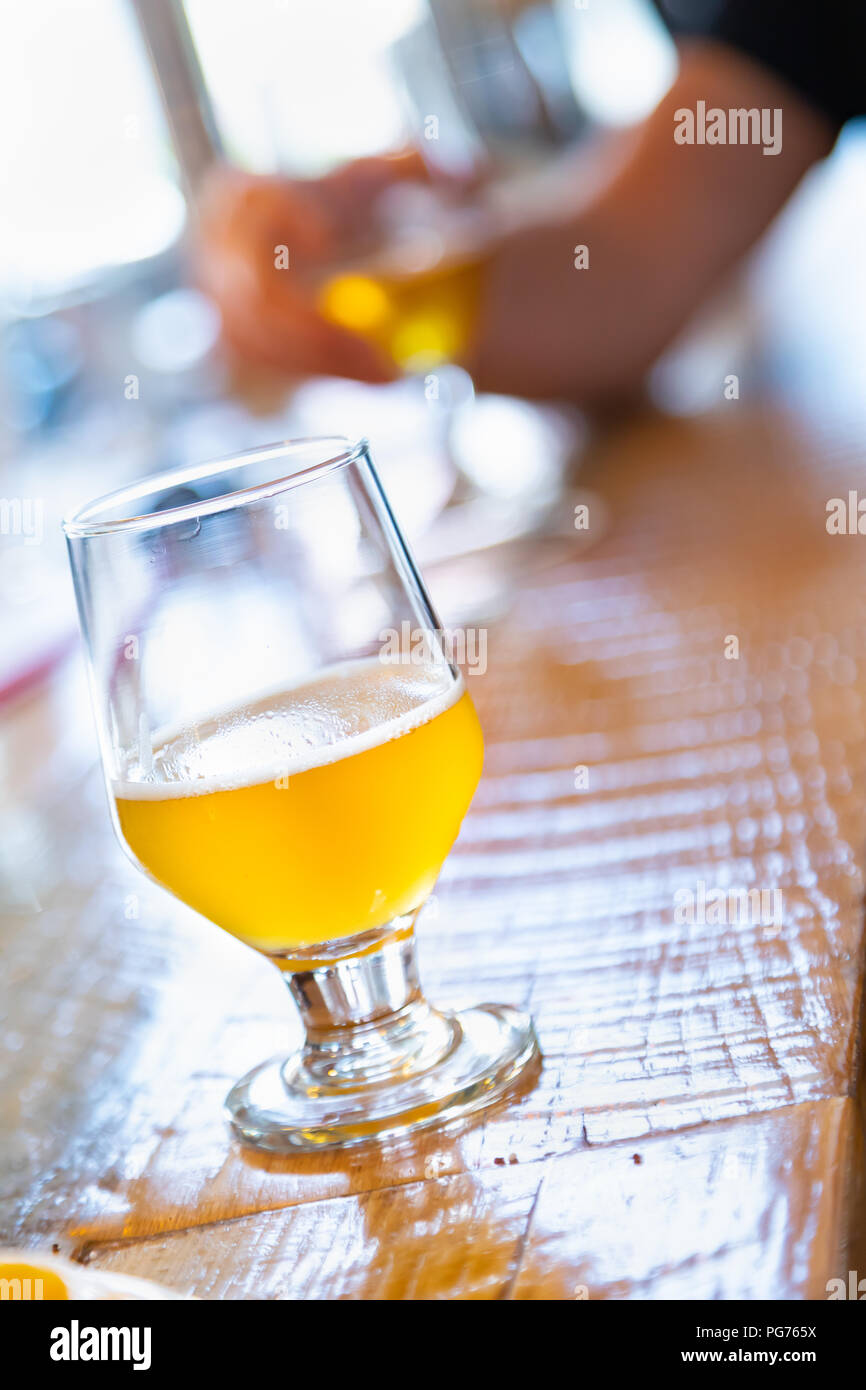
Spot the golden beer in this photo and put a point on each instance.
(314, 814)
(419, 319)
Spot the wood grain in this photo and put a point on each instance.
(683, 1217)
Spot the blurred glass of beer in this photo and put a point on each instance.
(415, 292)
(421, 319)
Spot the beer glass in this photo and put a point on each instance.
(420, 318)
(289, 749)
(415, 293)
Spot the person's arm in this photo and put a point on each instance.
(661, 235)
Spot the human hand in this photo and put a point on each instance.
(259, 242)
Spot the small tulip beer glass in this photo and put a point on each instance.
(295, 778)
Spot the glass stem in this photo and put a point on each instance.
(365, 1017)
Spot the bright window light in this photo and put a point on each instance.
(621, 57)
(86, 168)
(300, 85)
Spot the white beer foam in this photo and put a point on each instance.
(235, 733)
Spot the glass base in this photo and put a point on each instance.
(448, 1066)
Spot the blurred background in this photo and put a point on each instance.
(112, 110)
(110, 367)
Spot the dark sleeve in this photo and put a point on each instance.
(818, 47)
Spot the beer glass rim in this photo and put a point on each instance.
(100, 516)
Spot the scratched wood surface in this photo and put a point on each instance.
(696, 1129)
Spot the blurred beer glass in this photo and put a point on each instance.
(415, 296)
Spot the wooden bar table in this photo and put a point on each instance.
(676, 709)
